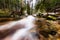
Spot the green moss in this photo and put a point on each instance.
(52, 17)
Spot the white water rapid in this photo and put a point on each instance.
(21, 33)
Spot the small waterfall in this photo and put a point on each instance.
(31, 3)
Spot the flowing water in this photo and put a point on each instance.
(22, 33)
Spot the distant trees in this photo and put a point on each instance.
(20, 5)
(47, 5)
(16, 6)
(8, 3)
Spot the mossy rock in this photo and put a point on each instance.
(51, 18)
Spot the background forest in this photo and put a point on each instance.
(47, 11)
